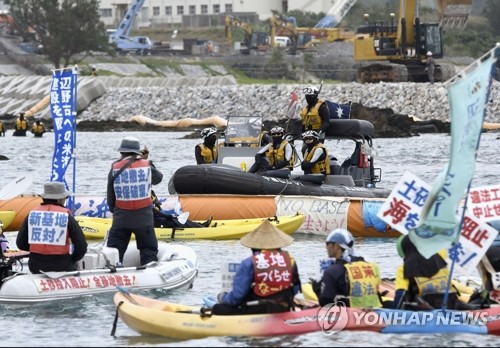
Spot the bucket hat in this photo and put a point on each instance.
(55, 190)
(130, 144)
(266, 236)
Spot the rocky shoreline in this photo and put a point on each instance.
(395, 109)
(422, 100)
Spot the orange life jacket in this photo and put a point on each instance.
(133, 185)
(273, 272)
(48, 230)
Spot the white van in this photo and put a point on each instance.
(281, 41)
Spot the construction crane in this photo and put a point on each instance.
(335, 14)
(121, 37)
(396, 52)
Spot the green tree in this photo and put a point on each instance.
(64, 28)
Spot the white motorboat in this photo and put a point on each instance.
(97, 274)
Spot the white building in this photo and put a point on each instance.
(171, 11)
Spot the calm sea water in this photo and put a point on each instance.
(88, 321)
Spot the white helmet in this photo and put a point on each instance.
(429, 53)
(310, 133)
(277, 130)
(311, 90)
(206, 132)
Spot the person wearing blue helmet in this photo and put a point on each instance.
(350, 279)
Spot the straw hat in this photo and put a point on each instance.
(266, 236)
(55, 190)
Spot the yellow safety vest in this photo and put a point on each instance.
(437, 284)
(278, 155)
(312, 118)
(209, 155)
(320, 167)
(37, 129)
(364, 280)
(21, 125)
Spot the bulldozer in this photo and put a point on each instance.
(396, 52)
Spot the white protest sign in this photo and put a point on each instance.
(228, 270)
(402, 211)
(322, 214)
(484, 202)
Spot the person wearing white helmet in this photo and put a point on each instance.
(207, 152)
(430, 66)
(349, 279)
(276, 158)
(315, 115)
(316, 162)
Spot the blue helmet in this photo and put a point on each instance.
(342, 237)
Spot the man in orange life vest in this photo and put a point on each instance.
(129, 199)
(49, 231)
(265, 282)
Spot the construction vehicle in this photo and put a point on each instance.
(305, 38)
(287, 27)
(121, 37)
(396, 52)
(253, 40)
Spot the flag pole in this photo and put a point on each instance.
(63, 109)
(455, 245)
(74, 113)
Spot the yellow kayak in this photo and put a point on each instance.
(156, 317)
(96, 228)
(6, 217)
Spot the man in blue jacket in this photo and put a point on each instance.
(265, 282)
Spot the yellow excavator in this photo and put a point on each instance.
(396, 52)
(252, 39)
(304, 38)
